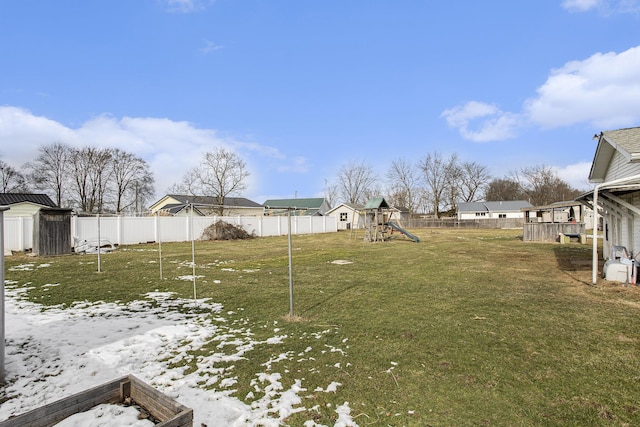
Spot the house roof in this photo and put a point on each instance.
(310, 203)
(305, 207)
(625, 141)
(230, 202)
(498, 206)
(174, 209)
(37, 199)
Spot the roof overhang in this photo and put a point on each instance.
(606, 196)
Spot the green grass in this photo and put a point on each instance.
(466, 328)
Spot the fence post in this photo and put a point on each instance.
(21, 242)
(119, 229)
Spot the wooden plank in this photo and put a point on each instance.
(57, 411)
(183, 419)
(169, 412)
(139, 387)
(161, 406)
(125, 389)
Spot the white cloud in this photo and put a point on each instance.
(169, 147)
(576, 175)
(580, 5)
(494, 124)
(604, 7)
(602, 90)
(21, 133)
(210, 47)
(186, 6)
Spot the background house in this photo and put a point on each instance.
(616, 172)
(180, 204)
(25, 204)
(310, 206)
(492, 210)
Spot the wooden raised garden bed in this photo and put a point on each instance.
(127, 390)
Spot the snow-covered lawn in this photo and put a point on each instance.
(53, 352)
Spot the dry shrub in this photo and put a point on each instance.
(221, 230)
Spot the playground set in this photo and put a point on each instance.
(378, 225)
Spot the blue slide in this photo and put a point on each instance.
(403, 231)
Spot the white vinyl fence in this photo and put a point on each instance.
(122, 230)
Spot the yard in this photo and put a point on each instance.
(465, 328)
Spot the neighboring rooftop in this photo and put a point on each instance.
(310, 206)
(7, 199)
(213, 201)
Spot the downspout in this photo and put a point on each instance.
(596, 189)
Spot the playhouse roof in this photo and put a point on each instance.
(376, 203)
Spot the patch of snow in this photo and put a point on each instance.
(189, 277)
(54, 352)
(106, 415)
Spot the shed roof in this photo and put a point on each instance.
(15, 198)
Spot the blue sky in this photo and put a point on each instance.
(300, 88)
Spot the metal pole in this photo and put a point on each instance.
(193, 255)
(159, 244)
(290, 266)
(2, 209)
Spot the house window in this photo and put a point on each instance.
(343, 216)
(480, 213)
(502, 215)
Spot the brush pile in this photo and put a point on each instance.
(221, 230)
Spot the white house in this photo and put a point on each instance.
(492, 210)
(615, 171)
(347, 215)
(25, 204)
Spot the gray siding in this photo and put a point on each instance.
(620, 167)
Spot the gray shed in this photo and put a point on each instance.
(52, 232)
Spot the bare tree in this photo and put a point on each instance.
(11, 180)
(356, 182)
(404, 183)
(48, 172)
(221, 173)
(132, 180)
(439, 174)
(473, 181)
(90, 172)
(504, 189)
(542, 185)
(189, 184)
